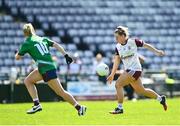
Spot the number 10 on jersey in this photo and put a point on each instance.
(42, 48)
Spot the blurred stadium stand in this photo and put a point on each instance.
(86, 27)
(91, 24)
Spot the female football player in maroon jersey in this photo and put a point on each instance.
(126, 51)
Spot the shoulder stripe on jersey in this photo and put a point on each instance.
(139, 43)
(116, 51)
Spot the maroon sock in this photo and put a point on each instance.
(77, 107)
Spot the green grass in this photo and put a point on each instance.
(142, 112)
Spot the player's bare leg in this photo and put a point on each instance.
(29, 81)
(139, 88)
(122, 81)
(57, 87)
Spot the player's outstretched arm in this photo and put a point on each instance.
(114, 69)
(116, 64)
(69, 60)
(153, 49)
(59, 48)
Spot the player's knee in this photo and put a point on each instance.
(27, 81)
(118, 85)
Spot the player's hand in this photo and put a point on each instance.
(69, 60)
(160, 53)
(110, 78)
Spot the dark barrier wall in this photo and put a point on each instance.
(5, 93)
(21, 94)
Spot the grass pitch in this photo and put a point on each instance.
(142, 112)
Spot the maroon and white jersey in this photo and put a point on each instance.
(128, 54)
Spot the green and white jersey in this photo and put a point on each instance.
(38, 48)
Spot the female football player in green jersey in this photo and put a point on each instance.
(38, 48)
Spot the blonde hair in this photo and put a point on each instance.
(121, 30)
(29, 29)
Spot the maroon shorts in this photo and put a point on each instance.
(133, 73)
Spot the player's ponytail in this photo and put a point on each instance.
(29, 29)
(121, 30)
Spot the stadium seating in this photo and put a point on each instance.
(87, 27)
